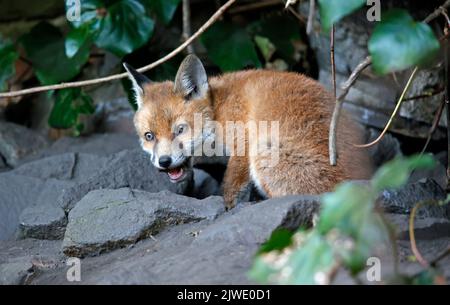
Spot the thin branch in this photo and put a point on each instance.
(437, 12)
(394, 113)
(412, 238)
(312, 12)
(338, 106)
(187, 24)
(333, 65)
(91, 82)
(426, 95)
(433, 128)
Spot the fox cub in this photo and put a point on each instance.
(175, 119)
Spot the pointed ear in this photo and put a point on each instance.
(191, 80)
(139, 80)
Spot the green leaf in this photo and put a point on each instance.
(279, 239)
(119, 26)
(281, 31)
(77, 39)
(395, 173)
(45, 48)
(125, 28)
(331, 11)
(164, 9)
(345, 209)
(265, 46)
(69, 104)
(398, 42)
(307, 264)
(230, 47)
(8, 57)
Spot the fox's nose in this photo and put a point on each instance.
(165, 161)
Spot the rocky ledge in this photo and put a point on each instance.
(105, 205)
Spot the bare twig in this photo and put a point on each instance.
(437, 12)
(394, 113)
(333, 65)
(426, 95)
(148, 67)
(338, 106)
(312, 11)
(412, 238)
(296, 14)
(434, 126)
(187, 24)
(440, 257)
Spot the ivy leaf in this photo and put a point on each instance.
(8, 57)
(331, 11)
(76, 40)
(230, 47)
(125, 28)
(69, 104)
(281, 32)
(396, 172)
(265, 46)
(399, 42)
(45, 48)
(164, 9)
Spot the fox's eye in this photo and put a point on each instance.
(180, 129)
(149, 136)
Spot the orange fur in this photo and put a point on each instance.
(301, 106)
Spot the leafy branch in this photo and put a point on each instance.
(148, 67)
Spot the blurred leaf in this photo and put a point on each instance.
(307, 264)
(265, 46)
(279, 240)
(45, 48)
(230, 47)
(398, 42)
(331, 11)
(396, 172)
(164, 9)
(345, 209)
(69, 104)
(76, 39)
(8, 57)
(281, 32)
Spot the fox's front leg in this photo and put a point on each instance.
(236, 179)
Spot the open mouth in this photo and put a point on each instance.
(177, 174)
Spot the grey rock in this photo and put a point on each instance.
(16, 193)
(107, 219)
(115, 115)
(204, 185)
(438, 174)
(42, 222)
(424, 228)
(131, 168)
(97, 144)
(387, 149)
(219, 251)
(402, 201)
(15, 273)
(17, 141)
